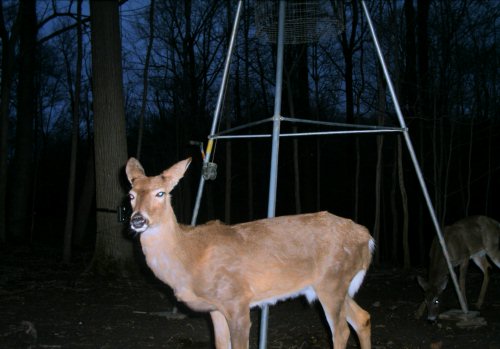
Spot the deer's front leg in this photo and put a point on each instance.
(221, 330)
(463, 273)
(483, 264)
(238, 320)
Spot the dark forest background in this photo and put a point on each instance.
(86, 84)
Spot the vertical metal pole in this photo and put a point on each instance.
(218, 108)
(418, 171)
(273, 177)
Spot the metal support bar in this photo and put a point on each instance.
(418, 171)
(242, 127)
(339, 124)
(302, 121)
(277, 118)
(273, 177)
(304, 134)
(218, 108)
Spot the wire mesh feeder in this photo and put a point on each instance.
(305, 21)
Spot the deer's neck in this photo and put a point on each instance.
(438, 268)
(160, 244)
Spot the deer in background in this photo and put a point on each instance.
(473, 238)
(226, 270)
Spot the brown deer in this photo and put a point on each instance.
(473, 238)
(226, 270)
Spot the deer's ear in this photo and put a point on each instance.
(134, 170)
(175, 173)
(423, 283)
(442, 284)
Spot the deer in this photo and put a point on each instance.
(474, 237)
(228, 269)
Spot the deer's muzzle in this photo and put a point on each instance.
(138, 222)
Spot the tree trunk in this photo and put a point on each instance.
(249, 144)
(469, 167)
(8, 51)
(297, 95)
(394, 209)
(404, 200)
(229, 146)
(348, 43)
(409, 93)
(296, 168)
(447, 174)
(87, 199)
(86, 203)
(113, 253)
(348, 48)
(381, 88)
(20, 215)
(424, 106)
(315, 77)
(488, 180)
(423, 58)
(145, 81)
(189, 66)
(70, 202)
(228, 180)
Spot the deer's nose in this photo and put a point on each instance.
(432, 321)
(138, 222)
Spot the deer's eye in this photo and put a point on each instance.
(131, 197)
(160, 194)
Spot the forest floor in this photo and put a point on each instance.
(46, 305)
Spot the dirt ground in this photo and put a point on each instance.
(46, 305)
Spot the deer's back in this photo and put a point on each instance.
(316, 230)
(285, 247)
(468, 236)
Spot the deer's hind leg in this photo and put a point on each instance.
(359, 319)
(463, 275)
(332, 295)
(493, 252)
(483, 264)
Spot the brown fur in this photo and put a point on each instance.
(226, 269)
(473, 238)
